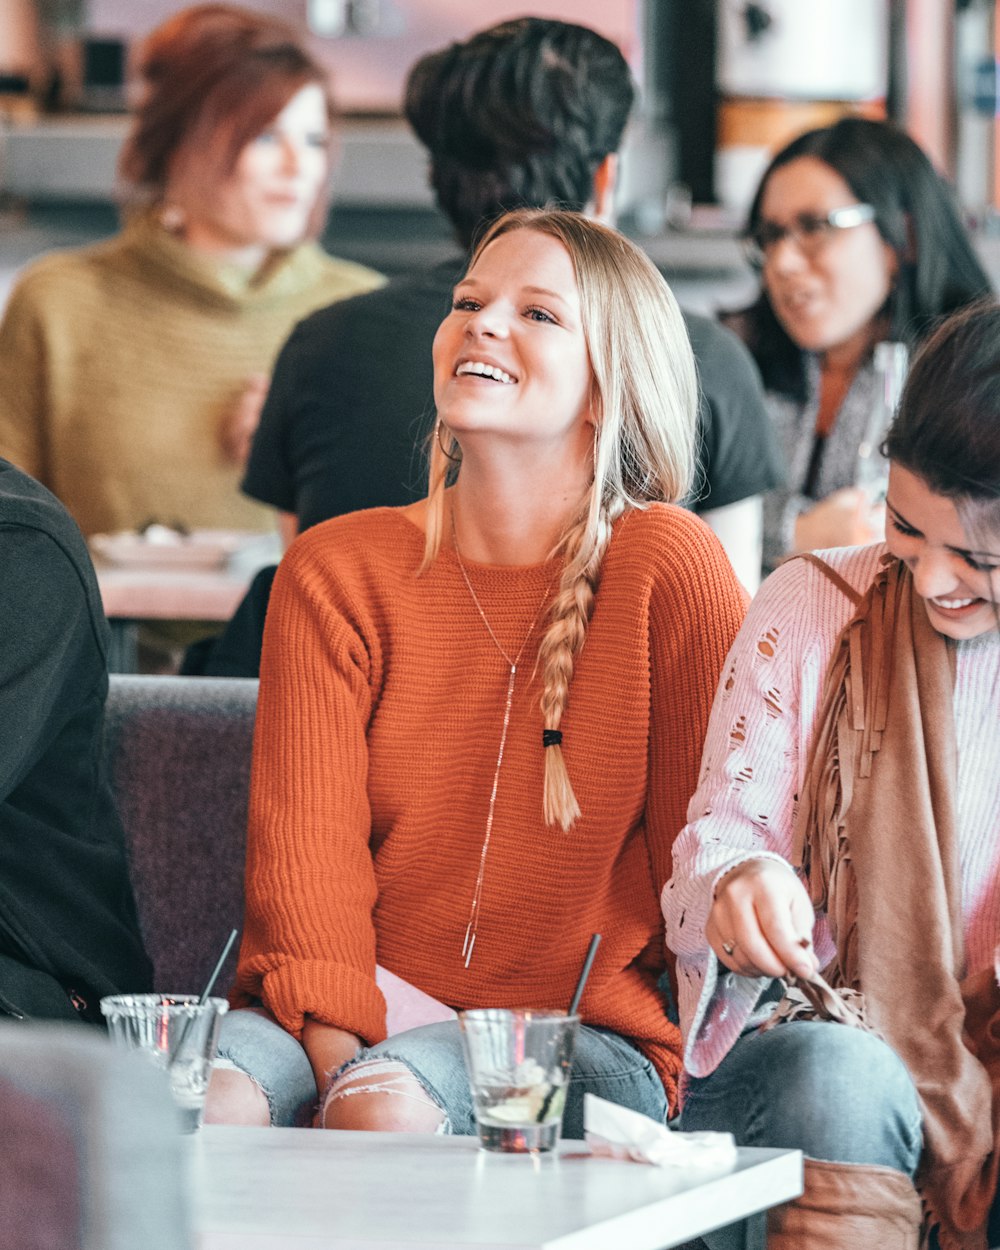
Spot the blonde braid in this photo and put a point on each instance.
(586, 543)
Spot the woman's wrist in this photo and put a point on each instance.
(327, 1048)
(750, 862)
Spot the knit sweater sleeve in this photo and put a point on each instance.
(23, 374)
(696, 607)
(309, 942)
(757, 742)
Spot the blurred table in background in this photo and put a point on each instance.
(204, 581)
(134, 595)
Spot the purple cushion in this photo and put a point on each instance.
(178, 755)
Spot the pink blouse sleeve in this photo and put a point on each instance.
(744, 807)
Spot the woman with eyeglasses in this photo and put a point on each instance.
(857, 240)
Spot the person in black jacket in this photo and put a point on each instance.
(69, 932)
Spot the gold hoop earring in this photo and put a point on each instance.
(444, 451)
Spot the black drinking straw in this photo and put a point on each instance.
(210, 983)
(209, 986)
(574, 1002)
(588, 963)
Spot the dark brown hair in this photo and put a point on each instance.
(213, 77)
(947, 429)
(915, 213)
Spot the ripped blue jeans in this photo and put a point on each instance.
(604, 1064)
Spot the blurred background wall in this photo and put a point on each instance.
(723, 82)
(370, 45)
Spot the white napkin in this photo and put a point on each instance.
(624, 1134)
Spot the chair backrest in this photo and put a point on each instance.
(178, 756)
(91, 1156)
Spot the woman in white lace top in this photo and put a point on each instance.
(846, 821)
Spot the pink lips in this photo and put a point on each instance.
(796, 303)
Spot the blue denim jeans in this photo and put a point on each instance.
(830, 1091)
(603, 1064)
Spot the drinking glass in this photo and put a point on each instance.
(891, 361)
(178, 1034)
(518, 1063)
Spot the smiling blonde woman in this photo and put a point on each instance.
(480, 715)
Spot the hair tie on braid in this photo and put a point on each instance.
(551, 737)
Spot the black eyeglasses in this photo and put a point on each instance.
(809, 232)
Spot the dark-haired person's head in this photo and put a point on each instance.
(947, 429)
(526, 114)
(214, 78)
(889, 190)
(943, 505)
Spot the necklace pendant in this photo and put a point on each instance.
(469, 944)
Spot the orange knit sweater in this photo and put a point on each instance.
(380, 715)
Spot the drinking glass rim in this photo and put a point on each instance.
(526, 1014)
(123, 1004)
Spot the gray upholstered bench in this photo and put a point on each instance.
(178, 755)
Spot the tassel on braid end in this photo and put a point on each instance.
(558, 802)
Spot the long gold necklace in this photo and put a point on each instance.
(471, 929)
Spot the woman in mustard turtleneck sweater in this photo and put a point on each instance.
(131, 372)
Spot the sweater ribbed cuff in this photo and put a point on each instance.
(330, 993)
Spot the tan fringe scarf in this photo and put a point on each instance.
(875, 837)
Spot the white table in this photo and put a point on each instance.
(301, 1189)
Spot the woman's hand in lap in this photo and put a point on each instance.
(761, 921)
(327, 1048)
